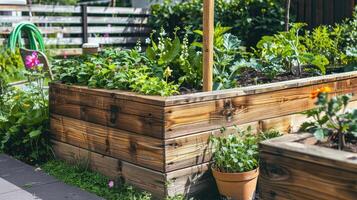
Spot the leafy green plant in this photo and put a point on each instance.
(115, 69)
(238, 152)
(331, 119)
(249, 19)
(325, 41)
(180, 57)
(11, 67)
(285, 51)
(229, 58)
(24, 120)
(93, 182)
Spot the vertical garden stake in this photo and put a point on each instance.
(208, 30)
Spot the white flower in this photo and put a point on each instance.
(147, 41)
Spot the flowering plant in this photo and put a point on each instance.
(32, 61)
(333, 122)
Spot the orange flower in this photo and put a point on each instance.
(317, 92)
(326, 89)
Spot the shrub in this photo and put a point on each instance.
(249, 19)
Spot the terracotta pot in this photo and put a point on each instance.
(237, 186)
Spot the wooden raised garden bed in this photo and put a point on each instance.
(160, 144)
(292, 167)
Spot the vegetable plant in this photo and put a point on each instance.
(332, 121)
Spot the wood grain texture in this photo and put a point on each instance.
(292, 170)
(196, 117)
(157, 117)
(188, 181)
(123, 145)
(166, 139)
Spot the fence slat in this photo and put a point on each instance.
(91, 29)
(117, 20)
(41, 19)
(42, 8)
(76, 9)
(114, 40)
(74, 20)
(118, 10)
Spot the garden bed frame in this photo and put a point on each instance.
(293, 168)
(160, 144)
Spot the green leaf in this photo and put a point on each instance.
(319, 134)
(174, 51)
(150, 53)
(35, 133)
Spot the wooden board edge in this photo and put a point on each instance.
(289, 146)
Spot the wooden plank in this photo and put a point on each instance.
(117, 94)
(76, 9)
(301, 10)
(123, 145)
(308, 12)
(328, 12)
(208, 32)
(65, 52)
(118, 20)
(42, 8)
(143, 178)
(285, 178)
(115, 40)
(129, 115)
(191, 180)
(91, 29)
(196, 117)
(186, 181)
(189, 118)
(318, 12)
(53, 41)
(78, 41)
(257, 89)
(302, 171)
(62, 97)
(41, 19)
(194, 149)
(74, 20)
(118, 10)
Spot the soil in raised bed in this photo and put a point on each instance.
(350, 146)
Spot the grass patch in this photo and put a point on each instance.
(92, 181)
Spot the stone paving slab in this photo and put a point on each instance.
(19, 181)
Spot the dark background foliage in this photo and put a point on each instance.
(249, 19)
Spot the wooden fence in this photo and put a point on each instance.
(67, 27)
(316, 12)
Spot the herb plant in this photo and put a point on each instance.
(238, 152)
(331, 118)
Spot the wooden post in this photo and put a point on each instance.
(208, 31)
(84, 24)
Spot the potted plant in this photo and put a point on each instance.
(236, 163)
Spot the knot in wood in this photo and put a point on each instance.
(113, 114)
(149, 120)
(228, 110)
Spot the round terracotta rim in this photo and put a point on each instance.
(233, 177)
